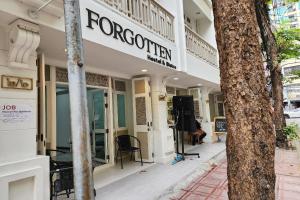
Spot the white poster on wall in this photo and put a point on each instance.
(15, 113)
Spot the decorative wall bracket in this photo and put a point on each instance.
(24, 38)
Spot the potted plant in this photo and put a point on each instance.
(292, 133)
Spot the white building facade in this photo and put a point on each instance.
(138, 54)
(291, 87)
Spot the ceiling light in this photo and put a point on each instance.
(144, 70)
(199, 84)
(176, 78)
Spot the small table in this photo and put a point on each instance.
(63, 158)
(66, 159)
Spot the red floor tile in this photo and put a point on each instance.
(213, 184)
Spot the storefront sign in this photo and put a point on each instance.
(220, 125)
(15, 113)
(156, 52)
(14, 82)
(161, 61)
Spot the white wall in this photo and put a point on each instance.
(20, 167)
(206, 29)
(199, 68)
(179, 28)
(20, 134)
(205, 6)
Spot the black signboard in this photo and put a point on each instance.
(220, 125)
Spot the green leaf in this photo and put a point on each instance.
(288, 42)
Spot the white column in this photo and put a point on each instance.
(23, 174)
(206, 123)
(163, 135)
(179, 27)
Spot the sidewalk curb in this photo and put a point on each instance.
(173, 191)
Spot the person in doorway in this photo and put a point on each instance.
(198, 135)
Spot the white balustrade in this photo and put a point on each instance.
(148, 13)
(199, 47)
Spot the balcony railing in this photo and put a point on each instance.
(199, 47)
(148, 13)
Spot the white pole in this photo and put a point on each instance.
(83, 180)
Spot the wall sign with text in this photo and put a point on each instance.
(15, 113)
(220, 125)
(14, 82)
(105, 27)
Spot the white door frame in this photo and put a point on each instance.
(145, 128)
(52, 103)
(41, 135)
(104, 131)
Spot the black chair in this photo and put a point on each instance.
(61, 175)
(52, 153)
(125, 144)
(64, 183)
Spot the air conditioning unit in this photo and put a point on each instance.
(55, 7)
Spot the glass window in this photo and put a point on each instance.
(121, 110)
(99, 109)
(220, 109)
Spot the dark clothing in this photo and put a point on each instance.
(199, 138)
(198, 126)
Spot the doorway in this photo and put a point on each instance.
(97, 119)
(97, 110)
(142, 114)
(219, 105)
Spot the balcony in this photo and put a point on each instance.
(148, 13)
(205, 7)
(197, 46)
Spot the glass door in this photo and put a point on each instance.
(97, 116)
(97, 109)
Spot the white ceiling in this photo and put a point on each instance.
(192, 10)
(109, 60)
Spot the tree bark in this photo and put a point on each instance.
(278, 117)
(270, 47)
(250, 141)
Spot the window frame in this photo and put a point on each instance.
(115, 104)
(117, 110)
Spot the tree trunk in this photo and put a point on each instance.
(278, 117)
(270, 47)
(250, 141)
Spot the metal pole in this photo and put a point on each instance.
(83, 180)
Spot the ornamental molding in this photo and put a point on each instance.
(91, 78)
(24, 38)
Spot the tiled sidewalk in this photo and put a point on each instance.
(287, 175)
(213, 184)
